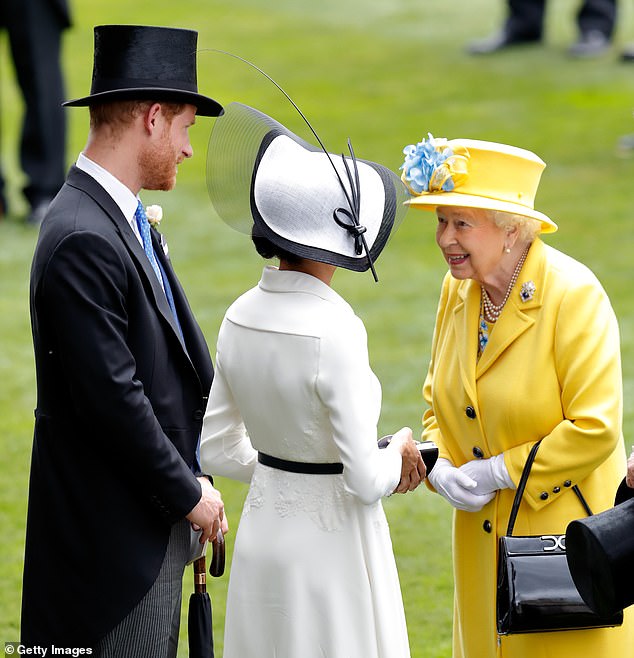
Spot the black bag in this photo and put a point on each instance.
(535, 591)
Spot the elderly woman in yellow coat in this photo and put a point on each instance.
(526, 347)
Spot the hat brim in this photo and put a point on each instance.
(431, 201)
(205, 106)
(237, 145)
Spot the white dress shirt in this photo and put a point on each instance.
(121, 195)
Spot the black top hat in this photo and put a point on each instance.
(623, 493)
(600, 553)
(139, 62)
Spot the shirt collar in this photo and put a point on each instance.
(122, 195)
(276, 280)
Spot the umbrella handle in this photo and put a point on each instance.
(200, 575)
(217, 566)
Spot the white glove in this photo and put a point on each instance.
(489, 474)
(458, 488)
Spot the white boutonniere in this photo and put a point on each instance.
(154, 215)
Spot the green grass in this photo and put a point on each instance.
(384, 73)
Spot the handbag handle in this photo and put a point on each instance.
(522, 485)
(520, 488)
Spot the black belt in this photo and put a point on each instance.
(330, 468)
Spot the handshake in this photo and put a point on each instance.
(417, 458)
(474, 484)
(428, 451)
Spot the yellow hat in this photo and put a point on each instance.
(474, 174)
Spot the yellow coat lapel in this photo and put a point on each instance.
(516, 317)
(467, 316)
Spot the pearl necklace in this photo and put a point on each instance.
(492, 311)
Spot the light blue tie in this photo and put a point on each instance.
(144, 229)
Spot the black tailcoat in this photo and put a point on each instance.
(120, 402)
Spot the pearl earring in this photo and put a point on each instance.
(507, 250)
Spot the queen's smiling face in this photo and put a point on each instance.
(470, 241)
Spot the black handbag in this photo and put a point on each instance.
(535, 591)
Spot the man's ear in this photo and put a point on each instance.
(151, 117)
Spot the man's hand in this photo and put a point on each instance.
(413, 469)
(209, 513)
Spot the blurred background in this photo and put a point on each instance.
(384, 73)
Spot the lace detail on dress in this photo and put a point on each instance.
(255, 497)
(322, 498)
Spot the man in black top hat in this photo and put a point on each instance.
(123, 370)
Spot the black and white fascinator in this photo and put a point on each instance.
(264, 179)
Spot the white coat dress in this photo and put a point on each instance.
(313, 572)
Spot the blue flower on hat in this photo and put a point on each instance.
(432, 166)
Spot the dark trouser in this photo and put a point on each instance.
(34, 28)
(526, 17)
(151, 629)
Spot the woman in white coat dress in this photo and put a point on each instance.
(294, 407)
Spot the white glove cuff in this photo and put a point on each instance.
(501, 473)
(441, 465)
